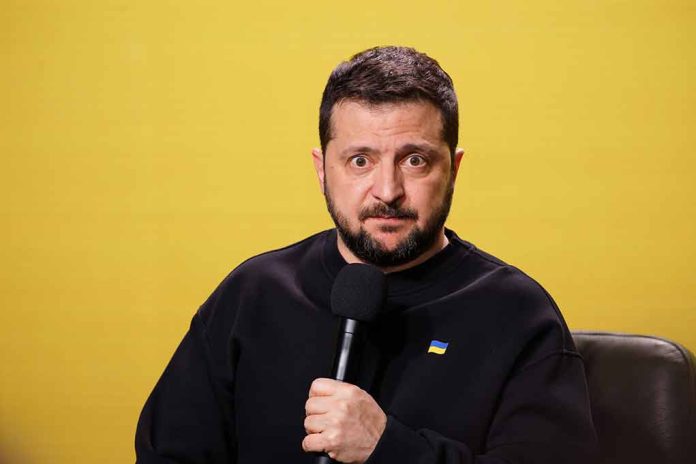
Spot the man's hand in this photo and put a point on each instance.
(342, 420)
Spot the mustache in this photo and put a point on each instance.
(381, 210)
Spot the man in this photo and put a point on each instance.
(469, 361)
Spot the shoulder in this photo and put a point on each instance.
(262, 273)
(518, 303)
(489, 272)
(270, 263)
(511, 282)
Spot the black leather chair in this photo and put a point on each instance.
(643, 397)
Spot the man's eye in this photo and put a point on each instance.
(359, 161)
(415, 161)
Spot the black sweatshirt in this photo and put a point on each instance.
(509, 387)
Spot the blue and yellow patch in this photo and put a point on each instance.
(438, 347)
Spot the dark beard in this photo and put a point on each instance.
(369, 250)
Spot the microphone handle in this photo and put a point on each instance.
(346, 351)
(344, 362)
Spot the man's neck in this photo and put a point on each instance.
(441, 242)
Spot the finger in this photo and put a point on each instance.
(316, 423)
(335, 389)
(318, 405)
(323, 387)
(314, 442)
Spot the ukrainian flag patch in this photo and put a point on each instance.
(438, 347)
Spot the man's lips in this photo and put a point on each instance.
(389, 218)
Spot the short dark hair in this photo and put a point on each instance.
(391, 75)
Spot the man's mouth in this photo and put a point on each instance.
(386, 213)
(392, 221)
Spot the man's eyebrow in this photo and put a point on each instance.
(426, 148)
(357, 149)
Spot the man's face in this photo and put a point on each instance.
(388, 179)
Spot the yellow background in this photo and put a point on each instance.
(150, 146)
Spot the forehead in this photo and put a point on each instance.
(411, 121)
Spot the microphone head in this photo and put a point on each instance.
(358, 292)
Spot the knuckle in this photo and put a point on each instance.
(333, 439)
(354, 391)
(343, 407)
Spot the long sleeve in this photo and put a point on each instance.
(527, 427)
(188, 417)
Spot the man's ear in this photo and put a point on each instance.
(318, 159)
(458, 155)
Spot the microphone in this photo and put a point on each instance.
(357, 295)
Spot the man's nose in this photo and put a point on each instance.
(388, 184)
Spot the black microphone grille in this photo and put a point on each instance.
(358, 292)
